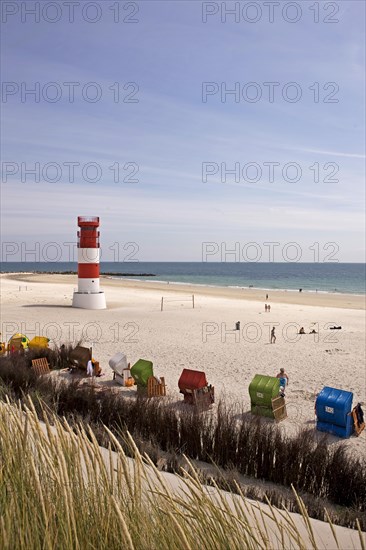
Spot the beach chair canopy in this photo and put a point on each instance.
(141, 371)
(80, 357)
(265, 399)
(192, 380)
(39, 342)
(333, 410)
(18, 340)
(263, 389)
(118, 363)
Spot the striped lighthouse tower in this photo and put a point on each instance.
(88, 295)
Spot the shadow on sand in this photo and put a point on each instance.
(48, 305)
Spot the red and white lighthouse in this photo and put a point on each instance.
(88, 295)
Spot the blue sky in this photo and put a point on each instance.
(170, 132)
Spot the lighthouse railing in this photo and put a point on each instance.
(87, 219)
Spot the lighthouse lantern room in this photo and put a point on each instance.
(88, 294)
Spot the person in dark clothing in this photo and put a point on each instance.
(359, 413)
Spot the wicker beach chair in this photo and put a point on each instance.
(156, 388)
(40, 366)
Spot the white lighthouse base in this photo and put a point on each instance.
(89, 300)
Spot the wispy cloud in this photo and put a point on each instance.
(171, 132)
(327, 153)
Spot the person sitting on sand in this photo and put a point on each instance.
(283, 376)
(97, 371)
(302, 330)
(359, 413)
(313, 331)
(273, 336)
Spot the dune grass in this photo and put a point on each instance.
(247, 445)
(59, 489)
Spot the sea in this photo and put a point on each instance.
(330, 277)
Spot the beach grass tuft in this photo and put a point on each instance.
(229, 439)
(60, 489)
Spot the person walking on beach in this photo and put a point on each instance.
(265, 308)
(283, 376)
(273, 336)
(266, 296)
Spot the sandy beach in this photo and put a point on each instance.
(204, 338)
